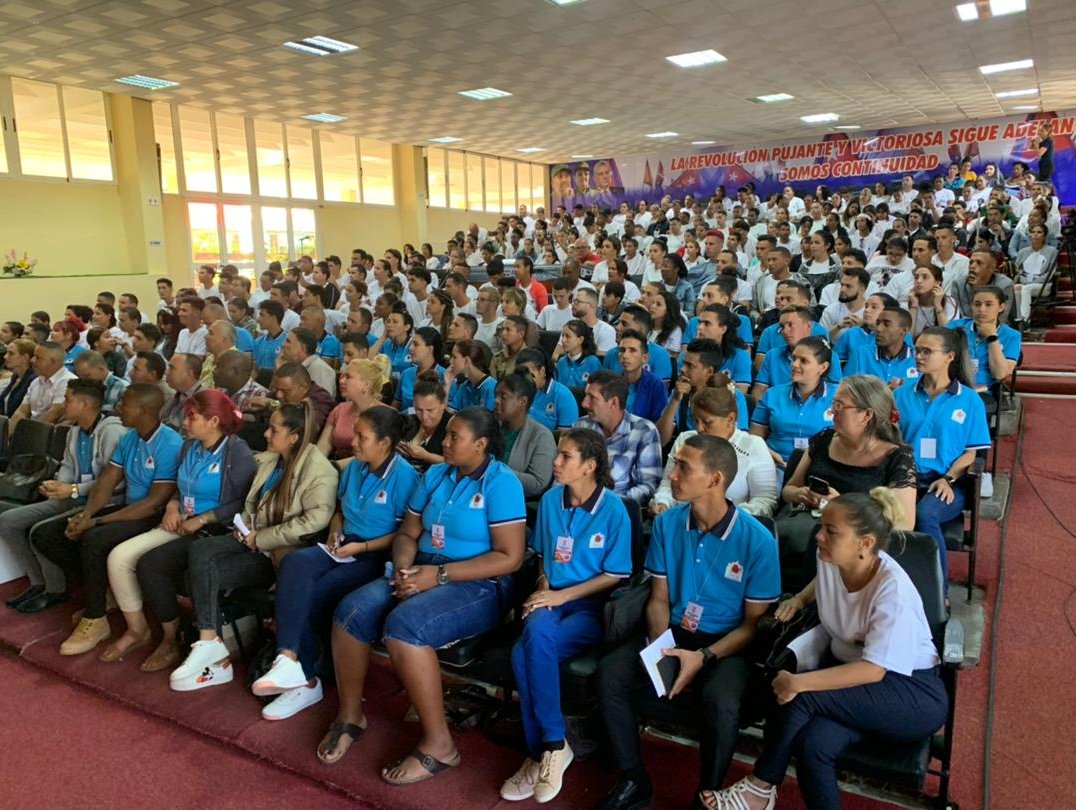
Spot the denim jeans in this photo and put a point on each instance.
(549, 637)
(433, 618)
(931, 515)
(309, 586)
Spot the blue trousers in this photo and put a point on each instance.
(549, 637)
(309, 585)
(931, 513)
(816, 728)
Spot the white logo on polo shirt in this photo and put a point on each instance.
(477, 502)
(734, 571)
(149, 463)
(597, 541)
(828, 415)
(959, 416)
(381, 497)
(913, 372)
(214, 468)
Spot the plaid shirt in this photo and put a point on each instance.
(114, 388)
(252, 388)
(634, 455)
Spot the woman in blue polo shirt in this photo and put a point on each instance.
(863, 335)
(395, 341)
(737, 363)
(583, 537)
(554, 405)
(67, 333)
(468, 380)
(373, 493)
(788, 415)
(426, 350)
(994, 347)
(944, 420)
(462, 536)
(576, 354)
(214, 475)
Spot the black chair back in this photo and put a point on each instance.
(58, 443)
(31, 437)
(548, 339)
(917, 554)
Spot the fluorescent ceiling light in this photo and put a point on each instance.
(1026, 107)
(819, 118)
(772, 98)
(530, 150)
(848, 126)
(485, 93)
(999, 8)
(564, 2)
(662, 134)
(321, 46)
(1031, 91)
(967, 12)
(590, 122)
(1002, 67)
(703, 143)
(325, 118)
(146, 82)
(581, 157)
(445, 139)
(696, 58)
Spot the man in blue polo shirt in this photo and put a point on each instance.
(714, 572)
(647, 394)
(329, 348)
(145, 463)
(890, 358)
(795, 324)
(267, 347)
(636, 318)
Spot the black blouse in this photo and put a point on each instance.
(13, 394)
(896, 471)
(433, 443)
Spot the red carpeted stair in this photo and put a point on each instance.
(1048, 368)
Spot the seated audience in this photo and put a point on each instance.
(92, 366)
(301, 347)
(395, 341)
(18, 359)
(994, 347)
(553, 318)
(637, 318)
(528, 444)
(103, 342)
(68, 334)
(291, 385)
(232, 376)
(777, 368)
(44, 400)
(668, 323)
(513, 333)
(576, 354)
(183, 377)
(268, 346)
(425, 433)
(699, 370)
(468, 381)
(888, 357)
(863, 333)
(647, 395)
(427, 348)
(878, 677)
(982, 272)
(554, 405)
(361, 382)
(1034, 266)
(927, 302)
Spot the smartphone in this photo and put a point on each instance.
(819, 486)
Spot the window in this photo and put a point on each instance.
(474, 182)
(269, 149)
(199, 167)
(304, 232)
(205, 235)
(239, 235)
(232, 148)
(436, 181)
(40, 132)
(508, 186)
(87, 134)
(275, 234)
(456, 179)
(304, 182)
(166, 148)
(339, 167)
(493, 184)
(538, 175)
(378, 186)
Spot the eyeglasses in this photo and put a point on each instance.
(923, 351)
(837, 406)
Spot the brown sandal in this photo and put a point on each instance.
(110, 655)
(162, 660)
(332, 739)
(429, 764)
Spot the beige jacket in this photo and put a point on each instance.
(313, 501)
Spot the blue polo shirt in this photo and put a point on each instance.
(647, 397)
(329, 347)
(555, 406)
(575, 373)
(777, 368)
(659, 364)
(868, 358)
(792, 422)
(244, 341)
(738, 367)
(399, 356)
(465, 394)
(458, 511)
(771, 336)
(684, 419)
(200, 476)
(717, 571)
(405, 393)
(857, 336)
(979, 349)
(578, 543)
(940, 431)
(373, 501)
(147, 462)
(266, 349)
(72, 355)
(84, 454)
(743, 331)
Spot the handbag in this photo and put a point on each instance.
(624, 614)
(24, 474)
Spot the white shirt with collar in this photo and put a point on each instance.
(954, 271)
(290, 321)
(321, 373)
(45, 392)
(487, 332)
(552, 319)
(190, 342)
(209, 292)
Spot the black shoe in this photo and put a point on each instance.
(29, 593)
(43, 601)
(628, 794)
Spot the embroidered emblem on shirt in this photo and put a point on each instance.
(381, 497)
(959, 416)
(477, 501)
(149, 462)
(734, 571)
(597, 541)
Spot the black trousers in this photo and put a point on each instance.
(88, 556)
(624, 687)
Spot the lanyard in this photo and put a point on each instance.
(463, 482)
(709, 568)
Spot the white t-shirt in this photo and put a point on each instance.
(487, 332)
(552, 319)
(192, 342)
(884, 623)
(837, 312)
(954, 271)
(600, 274)
(832, 291)
(604, 337)
(900, 285)
(290, 320)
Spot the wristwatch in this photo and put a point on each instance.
(950, 479)
(442, 575)
(707, 656)
(74, 491)
(992, 339)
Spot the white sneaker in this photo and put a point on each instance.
(293, 701)
(986, 486)
(551, 773)
(210, 675)
(282, 676)
(732, 798)
(202, 654)
(520, 786)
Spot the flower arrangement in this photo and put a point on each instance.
(16, 267)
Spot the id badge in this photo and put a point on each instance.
(188, 506)
(974, 366)
(692, 616)
(928, 448)
(563, 553)
(86, 478)
(437, 536)
(800, 442)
